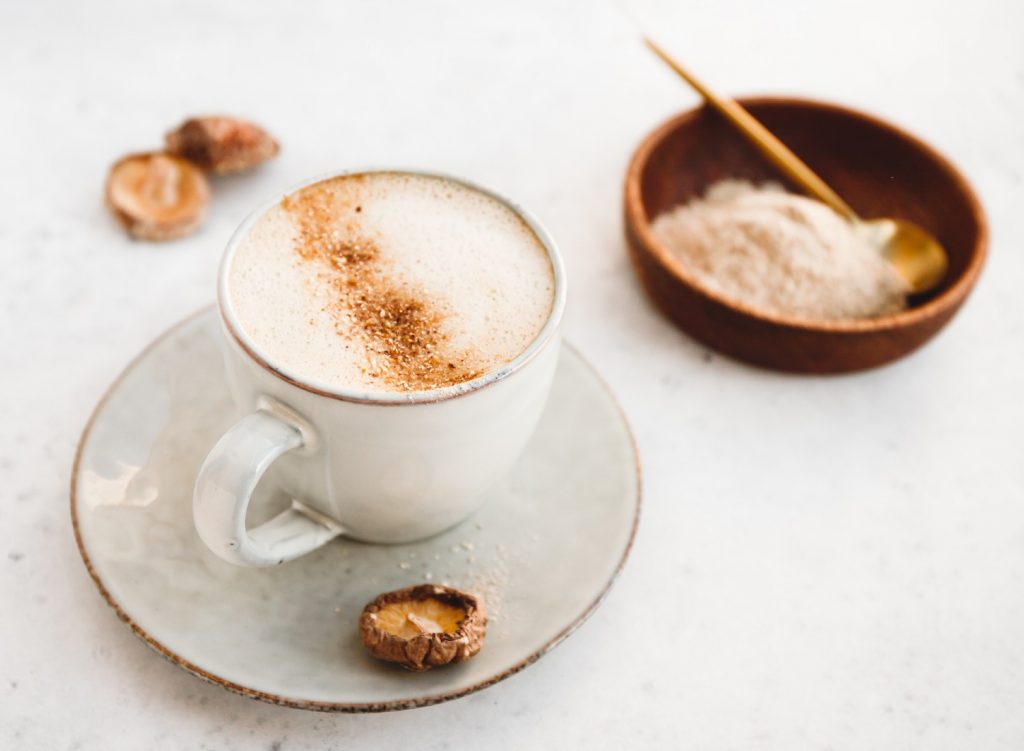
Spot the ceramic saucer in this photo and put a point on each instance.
(542, 552)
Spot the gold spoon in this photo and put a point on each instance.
(916, 255)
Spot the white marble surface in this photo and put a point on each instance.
(823, 563)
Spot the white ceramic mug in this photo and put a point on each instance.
(379, 467)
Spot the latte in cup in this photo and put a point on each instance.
(390, 282)
(391, 339)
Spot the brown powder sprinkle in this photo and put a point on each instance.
(407, 347)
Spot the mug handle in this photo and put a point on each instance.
(225, 485)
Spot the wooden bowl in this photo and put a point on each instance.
(880, 171)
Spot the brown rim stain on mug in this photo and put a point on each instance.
(879, 169)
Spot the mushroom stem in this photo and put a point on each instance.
(424, 625)
(160, 186)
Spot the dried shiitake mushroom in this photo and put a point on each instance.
(157, 196)
(424, 626)
(221, 144)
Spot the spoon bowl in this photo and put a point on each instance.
(914, 253)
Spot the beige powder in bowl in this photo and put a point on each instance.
(780, 253)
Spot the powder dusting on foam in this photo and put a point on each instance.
(390, 282)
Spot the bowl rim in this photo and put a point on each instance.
(639, 223)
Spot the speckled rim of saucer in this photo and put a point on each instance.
(322, 706)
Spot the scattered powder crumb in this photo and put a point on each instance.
(403, 565)
(489, 581)
(781, 253)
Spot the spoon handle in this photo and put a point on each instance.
(760, 136)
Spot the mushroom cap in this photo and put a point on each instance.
(157, 196)
(222, 144)
(424, 626)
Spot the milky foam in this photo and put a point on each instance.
(390, 282)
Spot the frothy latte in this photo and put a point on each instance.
(390, 282)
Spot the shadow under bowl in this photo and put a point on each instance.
(877, 168)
